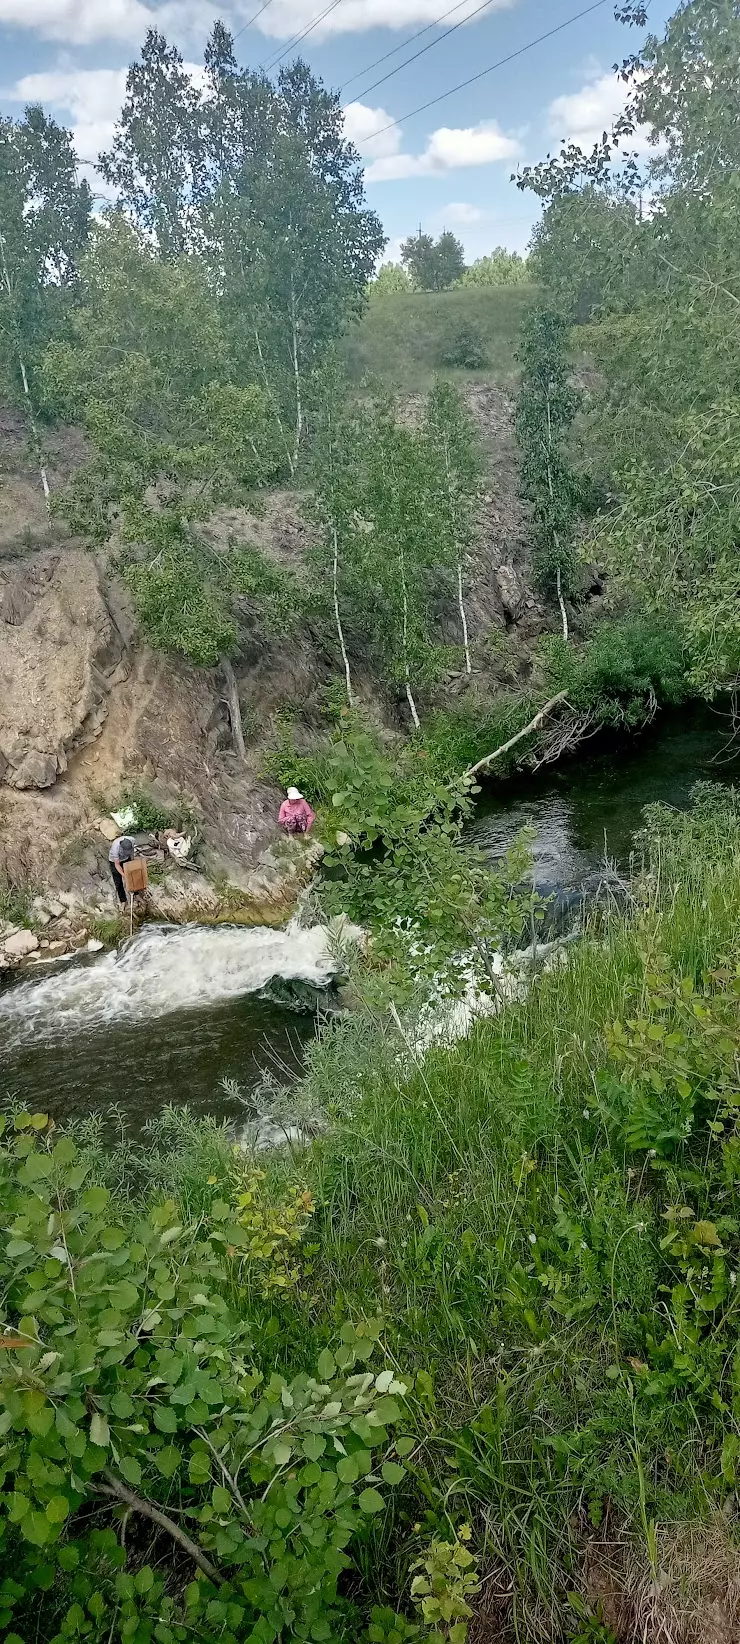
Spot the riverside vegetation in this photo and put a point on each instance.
(467, 1367)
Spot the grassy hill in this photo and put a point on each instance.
(402, 338)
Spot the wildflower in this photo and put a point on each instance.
(586, 1113)
(380, 1243)
(533, 1238)
(733, 1278)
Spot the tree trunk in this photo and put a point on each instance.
(555, 538)
(460, 600)
(235, 713)
(407, 671)
(340, 630)
(297, 377)
(26, 389)
(561, 603)
(534, 725)
(271, 397)
(463, 617)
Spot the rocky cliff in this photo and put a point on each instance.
(86, 708)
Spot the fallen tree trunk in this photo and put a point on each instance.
(235, 713)
(534, 725)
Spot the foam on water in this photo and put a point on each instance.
(162, 970)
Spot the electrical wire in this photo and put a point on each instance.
(502, 61)
(252, 20)
(429, 47)
(275, 59)
(368, 69)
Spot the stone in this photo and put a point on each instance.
(512, 590)
(56, 909)
(109, 829)
(41, 917)
(44, 941)
(55, 948)
(94, 946)
(36, 770)
(20, 945)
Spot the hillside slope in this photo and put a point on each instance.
(87, 708)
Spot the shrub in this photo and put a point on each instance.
(464, 350)
(128, 1382)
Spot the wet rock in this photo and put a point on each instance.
(20, 945)
(94, 946)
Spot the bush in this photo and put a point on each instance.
(465, 350)
(129, 1382)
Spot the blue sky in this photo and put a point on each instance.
(446, 168)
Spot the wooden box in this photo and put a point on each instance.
(135, 875)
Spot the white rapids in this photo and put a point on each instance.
(163, 969)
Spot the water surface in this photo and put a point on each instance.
(175, 1012)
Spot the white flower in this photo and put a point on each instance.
(533, 1238)
(733, 1278)
(586, 1113)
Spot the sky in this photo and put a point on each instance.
(446, 167)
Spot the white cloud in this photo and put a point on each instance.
(287, 17)
(362, 123)
(81, 22)
(449, 148)
(458, 214)
(583, 116)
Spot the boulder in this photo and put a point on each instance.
(20, 945)
(109, 829)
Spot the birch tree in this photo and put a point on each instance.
(44, 226)
(454, 477)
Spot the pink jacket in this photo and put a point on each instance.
(296, 816)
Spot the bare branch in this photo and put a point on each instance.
(115, 1487)
(534, 725)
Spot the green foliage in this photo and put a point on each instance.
(447, 1579)
(546, 408)
(464, 350)
(45, 213)
(129, 1375)
(180, 607)
(391, 279)
(258, 179)
(395, 857)
(433, 265)
(662, 289)
(557, 1216)
(500, 267)
(623, 667)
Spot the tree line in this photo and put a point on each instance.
(438, 265)
(639, 257)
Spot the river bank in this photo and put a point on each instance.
(533, 1238)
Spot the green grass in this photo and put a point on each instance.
(506, 1207)
(401, 338)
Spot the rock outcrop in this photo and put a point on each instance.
(61, 653)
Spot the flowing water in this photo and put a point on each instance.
(165, 1019)
(178, 1010)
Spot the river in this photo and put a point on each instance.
(178, 1011)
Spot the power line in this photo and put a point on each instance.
(502, 61)
(404, 43)
(252, 20)
(432, 43)
(298, 37)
